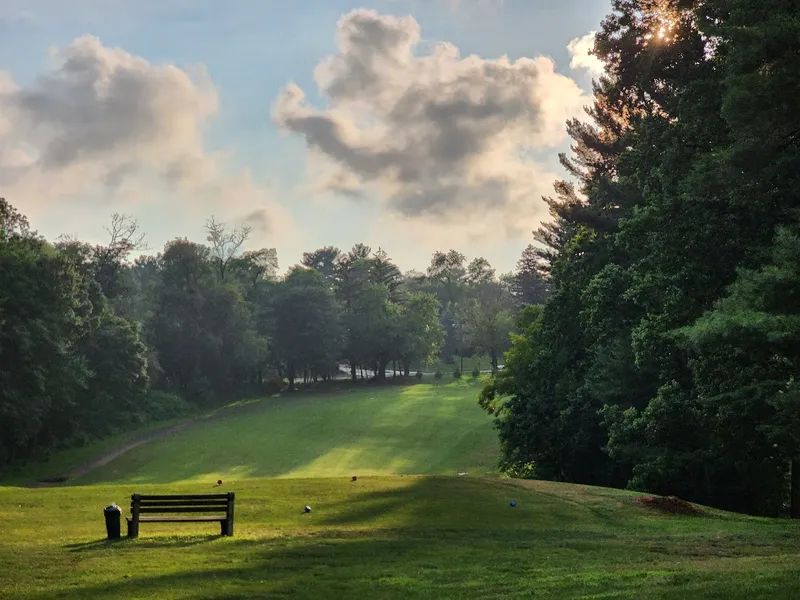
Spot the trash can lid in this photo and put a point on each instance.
(113, 507)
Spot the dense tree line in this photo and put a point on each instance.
(666, 357)
(92, 339)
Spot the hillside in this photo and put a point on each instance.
(387, 536)
(393, 537)
(428, 428)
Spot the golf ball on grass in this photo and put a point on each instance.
(307, 509)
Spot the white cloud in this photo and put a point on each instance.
(437, 136)
(454, 5)
(102, 122)
(457, 4)
(580, 50)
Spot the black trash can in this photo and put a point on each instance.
(113, 515)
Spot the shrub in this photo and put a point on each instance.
(476, 372)
(438, 374)
(271, 386)
(159, 406)
(521, 471)
(457, 373)
(419, 375)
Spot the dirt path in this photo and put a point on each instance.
(145, 438)
(107, 457)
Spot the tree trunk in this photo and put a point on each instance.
(407, 368)
(494, 360)
(290, 376)
(353, 371)
(794, 510)
(380, 372)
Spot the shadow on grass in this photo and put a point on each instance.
(432, 539)
(428, 540)
(95, 544)
(143, 542)
(305, 568)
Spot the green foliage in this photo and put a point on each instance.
(447, 270)
(418, 375)
(73, 370)
(529, 285)
(476, 372)
(457, 374)
(42, 374)
(438, 374)
(645, 367)
(162, 406)
(271, 386)
(100, 341)
(203, 328)
(487, 325)
(419, 333)
(306, 326)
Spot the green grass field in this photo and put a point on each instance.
(437, 535)
(418, 429)
(400, 537)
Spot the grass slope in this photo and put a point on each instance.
(419, 429)
(470, 362)
(399, 537)
(63, 461)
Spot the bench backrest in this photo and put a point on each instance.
(181, 503)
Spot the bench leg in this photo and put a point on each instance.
(226, 527)
(133, 529)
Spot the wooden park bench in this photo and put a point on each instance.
(163, 509)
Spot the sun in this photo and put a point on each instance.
(661, 19)
(662, 29)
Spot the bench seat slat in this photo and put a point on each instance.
(209, 503)
(179, 509)
(184, 497)
(165, 519)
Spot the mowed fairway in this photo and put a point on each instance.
(381, 536)
(393, 537)
(419, 429)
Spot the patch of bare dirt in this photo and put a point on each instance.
(670, 504)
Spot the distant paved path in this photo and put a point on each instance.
(344, 372)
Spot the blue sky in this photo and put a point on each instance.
(249, 154)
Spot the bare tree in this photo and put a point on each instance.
(225, 243)
(124, 238)
(125, 235)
